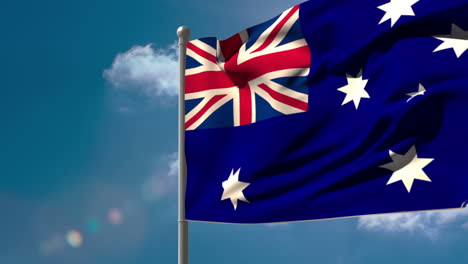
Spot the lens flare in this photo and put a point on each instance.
(115, 216)
(93, 225)
(74, 239)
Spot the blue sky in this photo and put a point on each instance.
(89, 135)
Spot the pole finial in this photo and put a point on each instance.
(183, 33)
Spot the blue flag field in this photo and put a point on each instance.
(331, 109)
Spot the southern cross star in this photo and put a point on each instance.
(354, 90)
(233, 189)
(395, 9)
(407, 168)
(421, 91)
(457, 40)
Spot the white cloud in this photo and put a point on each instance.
(465, 225)
(277, 225)
(146, 71)
(173, 165)
(162, 182)
(428, 223)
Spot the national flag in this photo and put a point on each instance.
(331, 109)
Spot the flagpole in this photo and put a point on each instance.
(183, 33)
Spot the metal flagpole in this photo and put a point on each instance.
(184, 33)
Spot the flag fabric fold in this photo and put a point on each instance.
(331, 109)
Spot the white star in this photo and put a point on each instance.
(395, 9)
(354, 90)
(233, 189)
(457, 40)
(420, 91)
(407, 168)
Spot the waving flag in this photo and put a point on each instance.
(331, 109)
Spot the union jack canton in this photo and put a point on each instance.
(254, 75)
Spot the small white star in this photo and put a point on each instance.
(420, 91)
(354, 90)
(395, 9)
(407, 168)
(233, 189)
(457, 40)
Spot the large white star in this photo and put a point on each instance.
(395, 9)
(407, 168)
(354, 90)
(421, 91)
(457, 40)
(233, 189)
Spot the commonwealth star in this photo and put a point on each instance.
(233, 189)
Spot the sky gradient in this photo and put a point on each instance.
(89, 138)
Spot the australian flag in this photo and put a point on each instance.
(331, 109)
